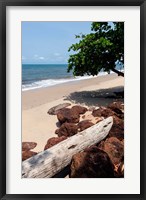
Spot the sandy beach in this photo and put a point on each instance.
(38, 126)
(72, 99)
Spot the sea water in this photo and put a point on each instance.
(44, 75)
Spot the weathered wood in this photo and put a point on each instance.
(54, 110)
(56, 158)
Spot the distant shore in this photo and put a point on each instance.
(38, 126)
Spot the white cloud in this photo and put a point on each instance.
(36, 57)
(41, 58)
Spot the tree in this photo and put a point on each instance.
(99, 50)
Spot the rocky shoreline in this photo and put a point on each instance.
(102, 160)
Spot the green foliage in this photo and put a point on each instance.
(98, 50)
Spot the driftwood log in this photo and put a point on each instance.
(53, 160)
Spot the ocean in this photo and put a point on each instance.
(43, 75)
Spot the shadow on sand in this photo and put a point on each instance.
(97, 97)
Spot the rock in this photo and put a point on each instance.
(117, 107)
(54, 110)
(102, 112)
(67, 129)
(92, 163)
(100, 145)
(68, 115)
(79, 109)
(27, 154)
(112, 109)
(114, 148)
(26, 146)
(118, 121)
(117, 129)
(107, 113)
(54, 140)
(98, 112)
(84, 125)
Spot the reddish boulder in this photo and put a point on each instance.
(84, 125)
(117, 129)
(68, 115)
(115, 149)
(103, 112)
(117, 107)
(67, 129)
(118, 121)
(79, 109)
(26, 146)
(92, 163)
(100, 145)
(54, 140)
(98, 112)
(27, 154)
(107, 113)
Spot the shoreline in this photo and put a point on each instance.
(39, 84)
(33, 98)
(38, 126)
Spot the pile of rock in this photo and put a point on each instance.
(103, 160)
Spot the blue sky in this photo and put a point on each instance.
(48, 42)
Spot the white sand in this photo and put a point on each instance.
(37, 125)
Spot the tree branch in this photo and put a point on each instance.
(118, 72)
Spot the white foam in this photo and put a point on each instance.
(51, 82)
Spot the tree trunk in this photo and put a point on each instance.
(118, 72)
(53, 160)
